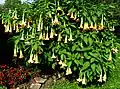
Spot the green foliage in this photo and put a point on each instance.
(49, 35)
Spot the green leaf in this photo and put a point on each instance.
(74, 47)
(93, 66)
(90, 41)
(92, 60)
(76, 62)
(86, 39)
(85, 65)
(69, 63)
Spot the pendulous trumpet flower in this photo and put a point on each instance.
(84, 80)
(68, 71)
(17, 28)
(70, 39)
(47, 38)
(51, 33)
(72, 17)
(36, 61)
(59, 37)
(91, 26)
(31, 59)
(65, 39)
(100, 79)
(53, 56)
(86, 27)
(21, 54)
(40, 37)
(104, 77)
(56, 22)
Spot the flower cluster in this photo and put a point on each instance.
(10, 76)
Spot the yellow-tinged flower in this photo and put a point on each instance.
(95, 26)
(23, 21)
(40, 37)
(28, 25)
(36, 61)
(31, 59)
(55, 22)
(17, 28)
(79, 80)
(86, 26)
(70, 39)
(63, 65)
(100, 79)
(47, 38)
(68, 71)
(65, 39)
(60, 62)
(21, 54)
(84, 80)
(53, 56)
(7, 28)
(102, 25)
(59, 37)
(10, 30)
(114, 50)
(43, 36)
(72, 17)
(15, 15)
(58, 8)
(51, 33)
(110, 57)
(104, 77)
(91, 26)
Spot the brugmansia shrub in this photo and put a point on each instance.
(77, 41)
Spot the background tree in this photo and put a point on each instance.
(11, 4)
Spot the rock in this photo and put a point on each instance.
(40, 80)
(48, 83)
(35, 86)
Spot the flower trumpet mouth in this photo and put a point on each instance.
(21, 54)
(68, 71)
(59, 9)
(53, 56)
(72, 17)
(55, 22)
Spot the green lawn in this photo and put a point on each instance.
(112, 83)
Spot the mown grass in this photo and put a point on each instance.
(112, 83)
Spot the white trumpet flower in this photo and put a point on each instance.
(84, 80)
(68, 71)
(104, 77)
(100, 79)
(65, 39)
(21, 54)
(53, 56)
